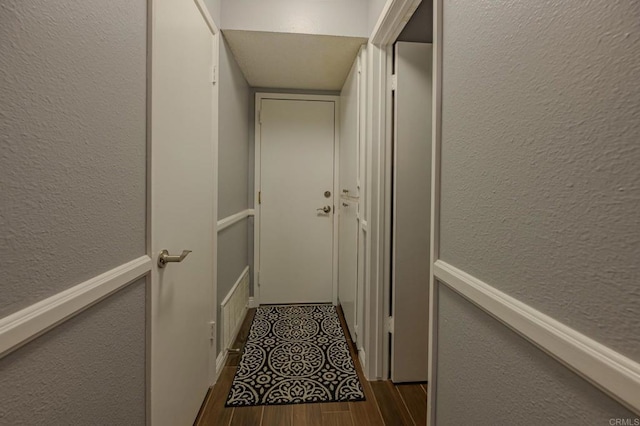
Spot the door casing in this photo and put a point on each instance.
(151, 276)
(257, 184)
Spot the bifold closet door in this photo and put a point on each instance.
(412, 208)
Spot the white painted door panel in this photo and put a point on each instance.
(296, 168)
(349, 133)
(349, 193)
(348, 261)
(182, 210)
(412, 208)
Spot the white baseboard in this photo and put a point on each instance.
(221, 360)
(362, 357)
(612, 372)
(253, 303)
(30, 322)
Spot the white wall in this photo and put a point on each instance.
(327, 17)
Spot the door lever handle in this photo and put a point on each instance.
(165, 257)
(325, 209)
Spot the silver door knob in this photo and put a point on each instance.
(165, 257)
(325, 209)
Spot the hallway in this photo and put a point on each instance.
(148, 205)
(386, 403)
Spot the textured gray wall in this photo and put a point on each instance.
(489, 375)
(88, 371)
(540, 198)
(233, 149)
(72, 143)
(541, 154)
(72, 179)
(233, 173)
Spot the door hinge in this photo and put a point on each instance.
(390, 325)
(212, 331)
(214, 74)
(259, 116)
(259, 197)
(394, 82)
(258, 278)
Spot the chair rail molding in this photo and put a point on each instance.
(234, 218)
(610, 371)
(27, 324)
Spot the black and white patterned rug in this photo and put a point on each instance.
(295, 354)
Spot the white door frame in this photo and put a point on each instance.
(215, 32)
(257, 184)
(393, 18)
(149, 183)
(436, 144)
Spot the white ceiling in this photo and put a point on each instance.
(293, 61)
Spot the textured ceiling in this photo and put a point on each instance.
(293, 61)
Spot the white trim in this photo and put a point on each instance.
(259, 96)
(207, 16)
(255, 300)
(394, 17)
(336, 198)
(388, 204)
(607, 369)
(148, 201)
(234, 218)
(215, 101)
(245, 271)
(28, 323)
(374, 339)
(436, 144)
(392, 20)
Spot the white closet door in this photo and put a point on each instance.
(412, 208)
(348, 262)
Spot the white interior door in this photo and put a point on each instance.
(182, 210)
(412, 209)
(349, 197)
(348, 262)
(297, 139)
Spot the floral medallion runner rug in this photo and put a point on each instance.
(295, 354)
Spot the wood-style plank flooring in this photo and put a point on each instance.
(386, 403)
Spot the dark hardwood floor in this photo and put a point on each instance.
(386, 403)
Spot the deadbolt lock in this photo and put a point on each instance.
(327, 194)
